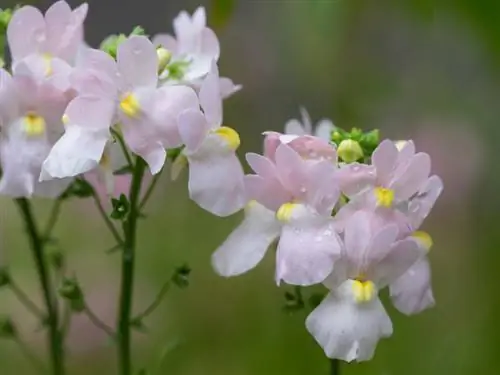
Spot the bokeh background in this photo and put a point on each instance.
(426, 70)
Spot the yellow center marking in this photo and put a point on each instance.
(364, 291)
(230, 136)
(47, 61)
(33, 124)
(284, 213)
(130, 105)
(384, 196)
(424, 238)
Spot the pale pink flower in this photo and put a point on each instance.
(351, 320)
(323, 128)
(123, 92)
(215, 173)
(48, 45)
(303, 194)
(412, 292)
(30, 123)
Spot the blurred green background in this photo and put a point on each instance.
(424, 70)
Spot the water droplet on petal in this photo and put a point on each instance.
(355, 168)
(327, 232)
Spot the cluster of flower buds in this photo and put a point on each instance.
(345, 211)
(344, 208)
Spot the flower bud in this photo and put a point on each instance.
(350, 151)
(164, 57)
(56, 257)
(7, 328)
(71, 291)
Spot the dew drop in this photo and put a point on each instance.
(303, 189)
(355, 168)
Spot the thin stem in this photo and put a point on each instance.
(52, 318)
(159, 298)
(123, 146)
(30, 356)
(128, 260)
(149, 192)
(334, 367)
(107, 220)
(25, 300)
(54, 216)
(98, 322)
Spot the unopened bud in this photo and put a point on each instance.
(71, 291)
(164, 57)
(56, 258)
(7, 328)
(350, 151)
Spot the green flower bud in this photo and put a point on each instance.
(111, 43)
(350, 151)
(121, 207)
(7, 328)
(164, 57)
(56, 257)
(71, 291)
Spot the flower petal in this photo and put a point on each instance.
(294, 127)
(216, 183)
(353, 178)
(261, 165)
(324, 129)
(210, 97)
(346, 330)
(307, 250)
(138, 62)
(413, 177)
(420, 207)
(26, 32)
(193, 129)
(384, 159)
(412, 293)
(166, 41)
(247, 244)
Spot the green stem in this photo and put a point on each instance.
(52, 318)
(106, 219)
(154, 305)
(128, 260)
(54, 216)
(25, 300)
(334, 367)
(149, 191)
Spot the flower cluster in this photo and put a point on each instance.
(344, 208)
(65, 106)
(352, 226)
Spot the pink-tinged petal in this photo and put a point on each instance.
(357, 235)
(199, 18)
(8, 98)
(307, 250)
(354, 178)
(420, 206)
(247, 244)
(166, 41)
(267, 192)
(210, 97)
(138, 62)
(413, 177)
(291, 170)
(294, 127)
(322, 191)
(26, 32)
(210, 46)
(271, 143)
(406, 153)
(261, 165)
(49, 70)
(193, 129)
(402, 255)
(216, 183)
(412, 292)
(65, 29)
(78, 151)
(324, 129)
(228, 87)
(306, 120)
(384, 160)
(90, 112)
(94, 59)
(311, 148)
(346, 330)
(170, 102)
(380, 244)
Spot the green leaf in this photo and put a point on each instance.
(221, 12)
(80, 188)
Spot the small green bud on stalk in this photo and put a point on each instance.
(350, 151)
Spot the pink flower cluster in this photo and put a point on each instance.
(66, 108)
(353, 227)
